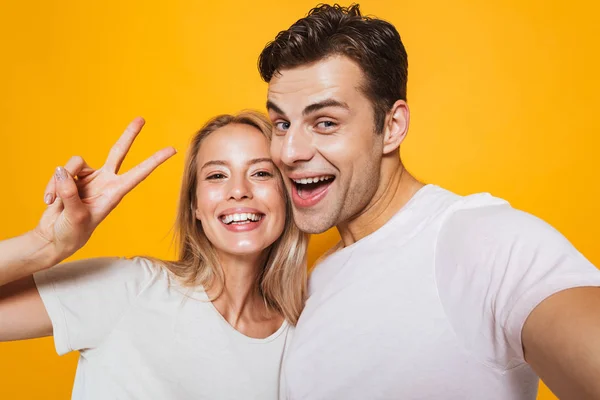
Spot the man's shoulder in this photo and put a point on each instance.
(433, 201)
(494, 221)
(499, 233)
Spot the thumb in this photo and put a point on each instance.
(68, 192)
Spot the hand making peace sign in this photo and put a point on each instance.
(80, 197)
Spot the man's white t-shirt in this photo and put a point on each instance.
(431, 305)
(142, 336)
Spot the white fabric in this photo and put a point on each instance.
(142, 336)
(431, 305)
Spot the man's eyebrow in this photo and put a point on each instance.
(312, 107)
(274, 107)
(324, 104)
(225, 163)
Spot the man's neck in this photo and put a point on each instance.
(396, 187)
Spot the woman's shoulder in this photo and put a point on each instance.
(134, 271)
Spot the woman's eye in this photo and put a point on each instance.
(263, 174)
(215, 176)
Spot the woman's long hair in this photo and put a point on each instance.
(282, 281)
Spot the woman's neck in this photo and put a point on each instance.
(240, 302)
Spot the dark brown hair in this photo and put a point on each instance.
(328, 30)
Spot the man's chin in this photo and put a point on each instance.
(309, 221)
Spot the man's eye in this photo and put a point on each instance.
(215, 176)
(282, 126)
(326, 124)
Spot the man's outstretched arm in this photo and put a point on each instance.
(561, 341)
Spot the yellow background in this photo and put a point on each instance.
(504, 98)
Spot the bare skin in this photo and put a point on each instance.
(561, 341)
(400, 187)
(241, 304)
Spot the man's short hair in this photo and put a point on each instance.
(329, 30)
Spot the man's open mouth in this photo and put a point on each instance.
(308, 188)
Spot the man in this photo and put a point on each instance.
(430, 295)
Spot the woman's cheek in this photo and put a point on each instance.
(271, 195)
(210, 194)
(208, 198)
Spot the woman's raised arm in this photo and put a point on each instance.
(78, 198)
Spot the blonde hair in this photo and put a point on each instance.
(282, 281)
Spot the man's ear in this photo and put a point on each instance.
(396, 126)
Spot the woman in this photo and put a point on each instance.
(211, 325)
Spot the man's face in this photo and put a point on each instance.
(324, 141)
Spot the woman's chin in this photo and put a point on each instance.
(244, 249)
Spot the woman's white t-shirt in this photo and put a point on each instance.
(142, 336)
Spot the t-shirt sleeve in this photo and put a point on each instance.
(494, 265)
(85, 299)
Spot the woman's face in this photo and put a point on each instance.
(240, 195)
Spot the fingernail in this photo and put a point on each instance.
(49, 198)
(61, 174)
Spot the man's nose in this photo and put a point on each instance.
(296, 146)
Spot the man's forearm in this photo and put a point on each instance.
(24, 255)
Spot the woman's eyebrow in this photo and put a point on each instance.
(260, 160)
(214, 162)
(225, 163)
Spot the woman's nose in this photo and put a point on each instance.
(240, 189)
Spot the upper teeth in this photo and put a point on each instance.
(240, 217)
(316, 179)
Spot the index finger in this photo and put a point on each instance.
(121, 147)
(141, 171)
